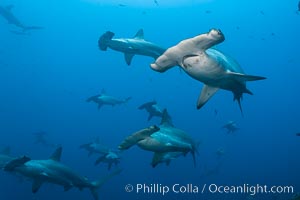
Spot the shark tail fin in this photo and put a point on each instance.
(95, 185)
(104, 39)
(100, 159)
(245, 77)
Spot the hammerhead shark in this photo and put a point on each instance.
(53, 171)
(207, 65)
(6, 13)
(130, 46)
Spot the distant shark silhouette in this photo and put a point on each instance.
(7, 14)
(52, 171)
(130, 46)
(104, 99)
(152, 108)
(230, 126)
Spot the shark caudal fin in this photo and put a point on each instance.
(243, 78)
(104, 39)
(95, 185)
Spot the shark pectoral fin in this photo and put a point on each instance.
(157, 158)
(100, 159)
(67, 187)
(150, 116)
(139, 35)
(244, 77)
(206, 93)
(57, 154)
(128, 58)
(36, 185)
(99, 105)
(109, 166)
(45, 174)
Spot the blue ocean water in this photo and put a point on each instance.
(46, 76)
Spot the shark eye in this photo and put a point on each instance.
(219, 32)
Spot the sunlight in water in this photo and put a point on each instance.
(148, 3)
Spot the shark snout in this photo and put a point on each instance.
(157, 67)
(217, 33)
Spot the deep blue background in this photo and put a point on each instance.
(46, 76)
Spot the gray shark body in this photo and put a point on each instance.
(231, 127)
(161, 140)
(52, 171)
(6, 13)
(95, 148)
(166, 158)
(215, 69)
(152, 108)
(104, 99)
(130, 46)
(110, 158)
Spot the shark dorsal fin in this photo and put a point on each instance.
(128, 58)
(139, 35)
(36, 184)
(166, 119)
(56, 154)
